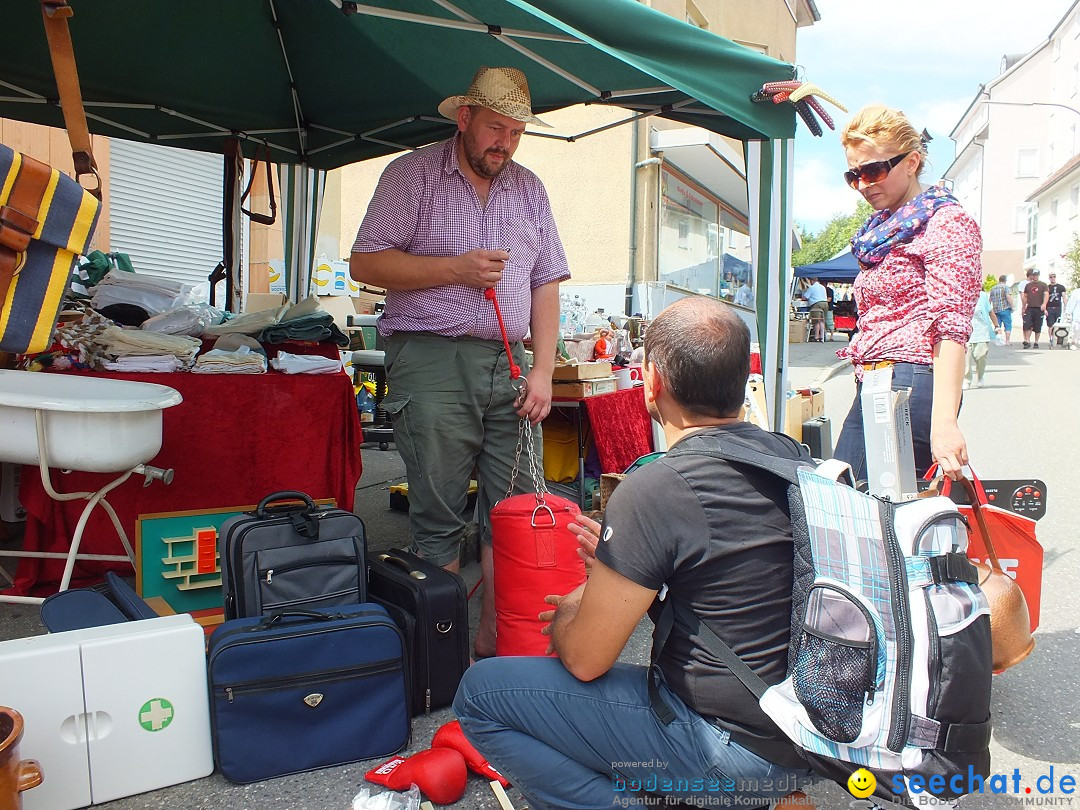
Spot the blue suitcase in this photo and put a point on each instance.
(300, 690)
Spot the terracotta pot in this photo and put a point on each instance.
(15, 775)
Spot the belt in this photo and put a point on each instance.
(878, 364)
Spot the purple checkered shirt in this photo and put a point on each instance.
(425, 206)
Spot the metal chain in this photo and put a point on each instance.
(536, 470)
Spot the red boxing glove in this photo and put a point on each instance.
(450, 735)
(439, 773)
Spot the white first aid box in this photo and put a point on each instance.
(110, 711)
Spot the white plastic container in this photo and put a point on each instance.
(93, 424)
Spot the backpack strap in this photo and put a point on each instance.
(712, 642)
(732, 450)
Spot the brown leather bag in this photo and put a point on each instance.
(1010, 625)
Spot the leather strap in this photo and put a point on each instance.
(19, 217)
(977, 504)
(55, 13)
(262, 219)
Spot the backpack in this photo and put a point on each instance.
(889, 664)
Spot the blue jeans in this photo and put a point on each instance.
(570, 744)
(851, 446)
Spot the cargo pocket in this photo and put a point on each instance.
(835, 671)
(396, 407)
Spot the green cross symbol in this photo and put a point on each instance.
(156, 714)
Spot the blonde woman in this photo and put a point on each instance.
(916, 291)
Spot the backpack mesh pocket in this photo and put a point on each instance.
(835, 670)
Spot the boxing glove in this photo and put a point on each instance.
(450, 735)
(440, 774)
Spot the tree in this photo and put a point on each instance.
(833, 238)
(1072, 259)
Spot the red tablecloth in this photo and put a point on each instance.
(621, 426)
(233, 440)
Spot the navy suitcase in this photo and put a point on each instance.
(291, 556)
(295, 691)
(437, 601)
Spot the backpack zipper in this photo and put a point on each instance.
(901, 711)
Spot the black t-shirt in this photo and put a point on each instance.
(1056, 293)
(1035, 290)
(719, 536)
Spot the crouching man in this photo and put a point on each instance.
(580, 731)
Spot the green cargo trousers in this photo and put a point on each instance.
(452, 405)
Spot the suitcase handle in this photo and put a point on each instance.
(285, 495)
(403, 565)
(278, 615)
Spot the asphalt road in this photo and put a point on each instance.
(1022, 424)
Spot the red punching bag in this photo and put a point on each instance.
(535, 556)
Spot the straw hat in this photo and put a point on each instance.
(503, 90)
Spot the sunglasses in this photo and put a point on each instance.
(872, 172)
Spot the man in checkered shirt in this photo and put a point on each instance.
(447, 222)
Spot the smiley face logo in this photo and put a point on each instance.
(861, 783)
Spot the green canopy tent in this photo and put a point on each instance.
(324, 83)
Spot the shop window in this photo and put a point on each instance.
(689, 254)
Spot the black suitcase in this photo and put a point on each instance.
(294, 556)
(437, 601)
(299, 690)
(817, 436)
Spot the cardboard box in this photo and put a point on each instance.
(582, 371)
(583, 388)
(257, 302)
(793, 416)
(760, 415)
(813, 403)
(890, 456)
(797, 330)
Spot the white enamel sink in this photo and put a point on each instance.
(93, 424)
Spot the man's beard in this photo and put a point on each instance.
(479, 160)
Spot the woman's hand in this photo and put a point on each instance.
(949, 449)
(587, 532)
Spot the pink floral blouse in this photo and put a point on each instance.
(923, 292)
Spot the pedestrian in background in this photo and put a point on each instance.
(920, 277)
(983, 324)
(1033, 295)
(1002, 305)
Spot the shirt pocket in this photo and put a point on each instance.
(521, 239)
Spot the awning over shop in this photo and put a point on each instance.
(710, 161)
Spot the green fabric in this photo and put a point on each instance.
(98, 264)
(357, 73)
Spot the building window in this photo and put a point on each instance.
(1027, 161)
(1020, 216)
(1075, 78)
(754, 46)
(1052, 218)
(1074, 201)
(695, 17)
(1032, 233)
(1055, 49)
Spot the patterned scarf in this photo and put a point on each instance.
(884, 230)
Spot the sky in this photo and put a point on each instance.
(926, 57)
